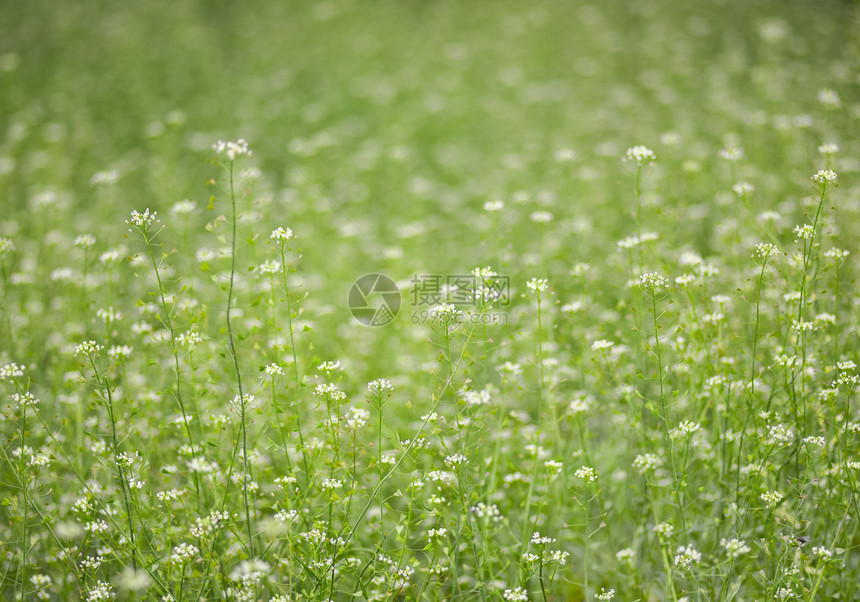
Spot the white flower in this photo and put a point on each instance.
(184, 207)
(733, 153)
(233, 149)
(646, 462)
(541, 217)
(183, 553)
(685, 556)
(605, 594)
(85, 241)
(100, 592)
(537, 285)
(516, 594)
(282, 234)
(804, 231)
(492, 206)
(743, 189)
(652, 280)
(824, 176)
(274, 370)
(270, 267)
(142, 220)
(735, 547)
(602, 345)
(456, 460)
(687, 427)
(763, 250)
(379, 385)
(640, 154)
(587, 473)
(828, 149)
(771, 498)
(88, 348)
(104, 178)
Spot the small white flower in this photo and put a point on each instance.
(537, 285)
(640, 155)
(233, 149)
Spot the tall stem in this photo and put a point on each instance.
(242, 404)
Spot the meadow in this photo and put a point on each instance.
(607, 351)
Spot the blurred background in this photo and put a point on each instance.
(380, 130)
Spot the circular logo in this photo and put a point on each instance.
(374, 299)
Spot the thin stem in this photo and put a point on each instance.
(242, 404)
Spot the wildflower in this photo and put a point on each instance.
(445, 312)
(274, 370)
(764, 250)
(829, 98)
(640, 154)
(804, 231)
(814, 442)
(120, 351)
(687, 427)
(664, 530)
(825, 176)
(735, 547)
(537, 285)
(685, 556)
(286, 516)
(88, 348)
(602, 345)
(605, 594)
(646, 462)
(356, 418)
(270, 267)
(771, 498)
(836, 254)
(541, 217)
(244, 401)
(440, 533)
(652, 281)
(538, 539)
(743, 189)
(105, 178)
(330, 367)
(189, 338)
(85, 241)
(625, 555)
(100, 592)
(142, 220)
(331, 484)
(379, 385)
(6, 247)
(477, 398)
(732, 153)
(828, 149)
(282, 234)
(25, 399)
(516, 594)
(330, 391)
(183, 553)
(586, 473)
(580, 405)
(456, 460)
(493, 206)
(10, 371)
(233, 149)
(183, 207)
(779, 434)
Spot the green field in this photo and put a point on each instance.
(615, 358)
